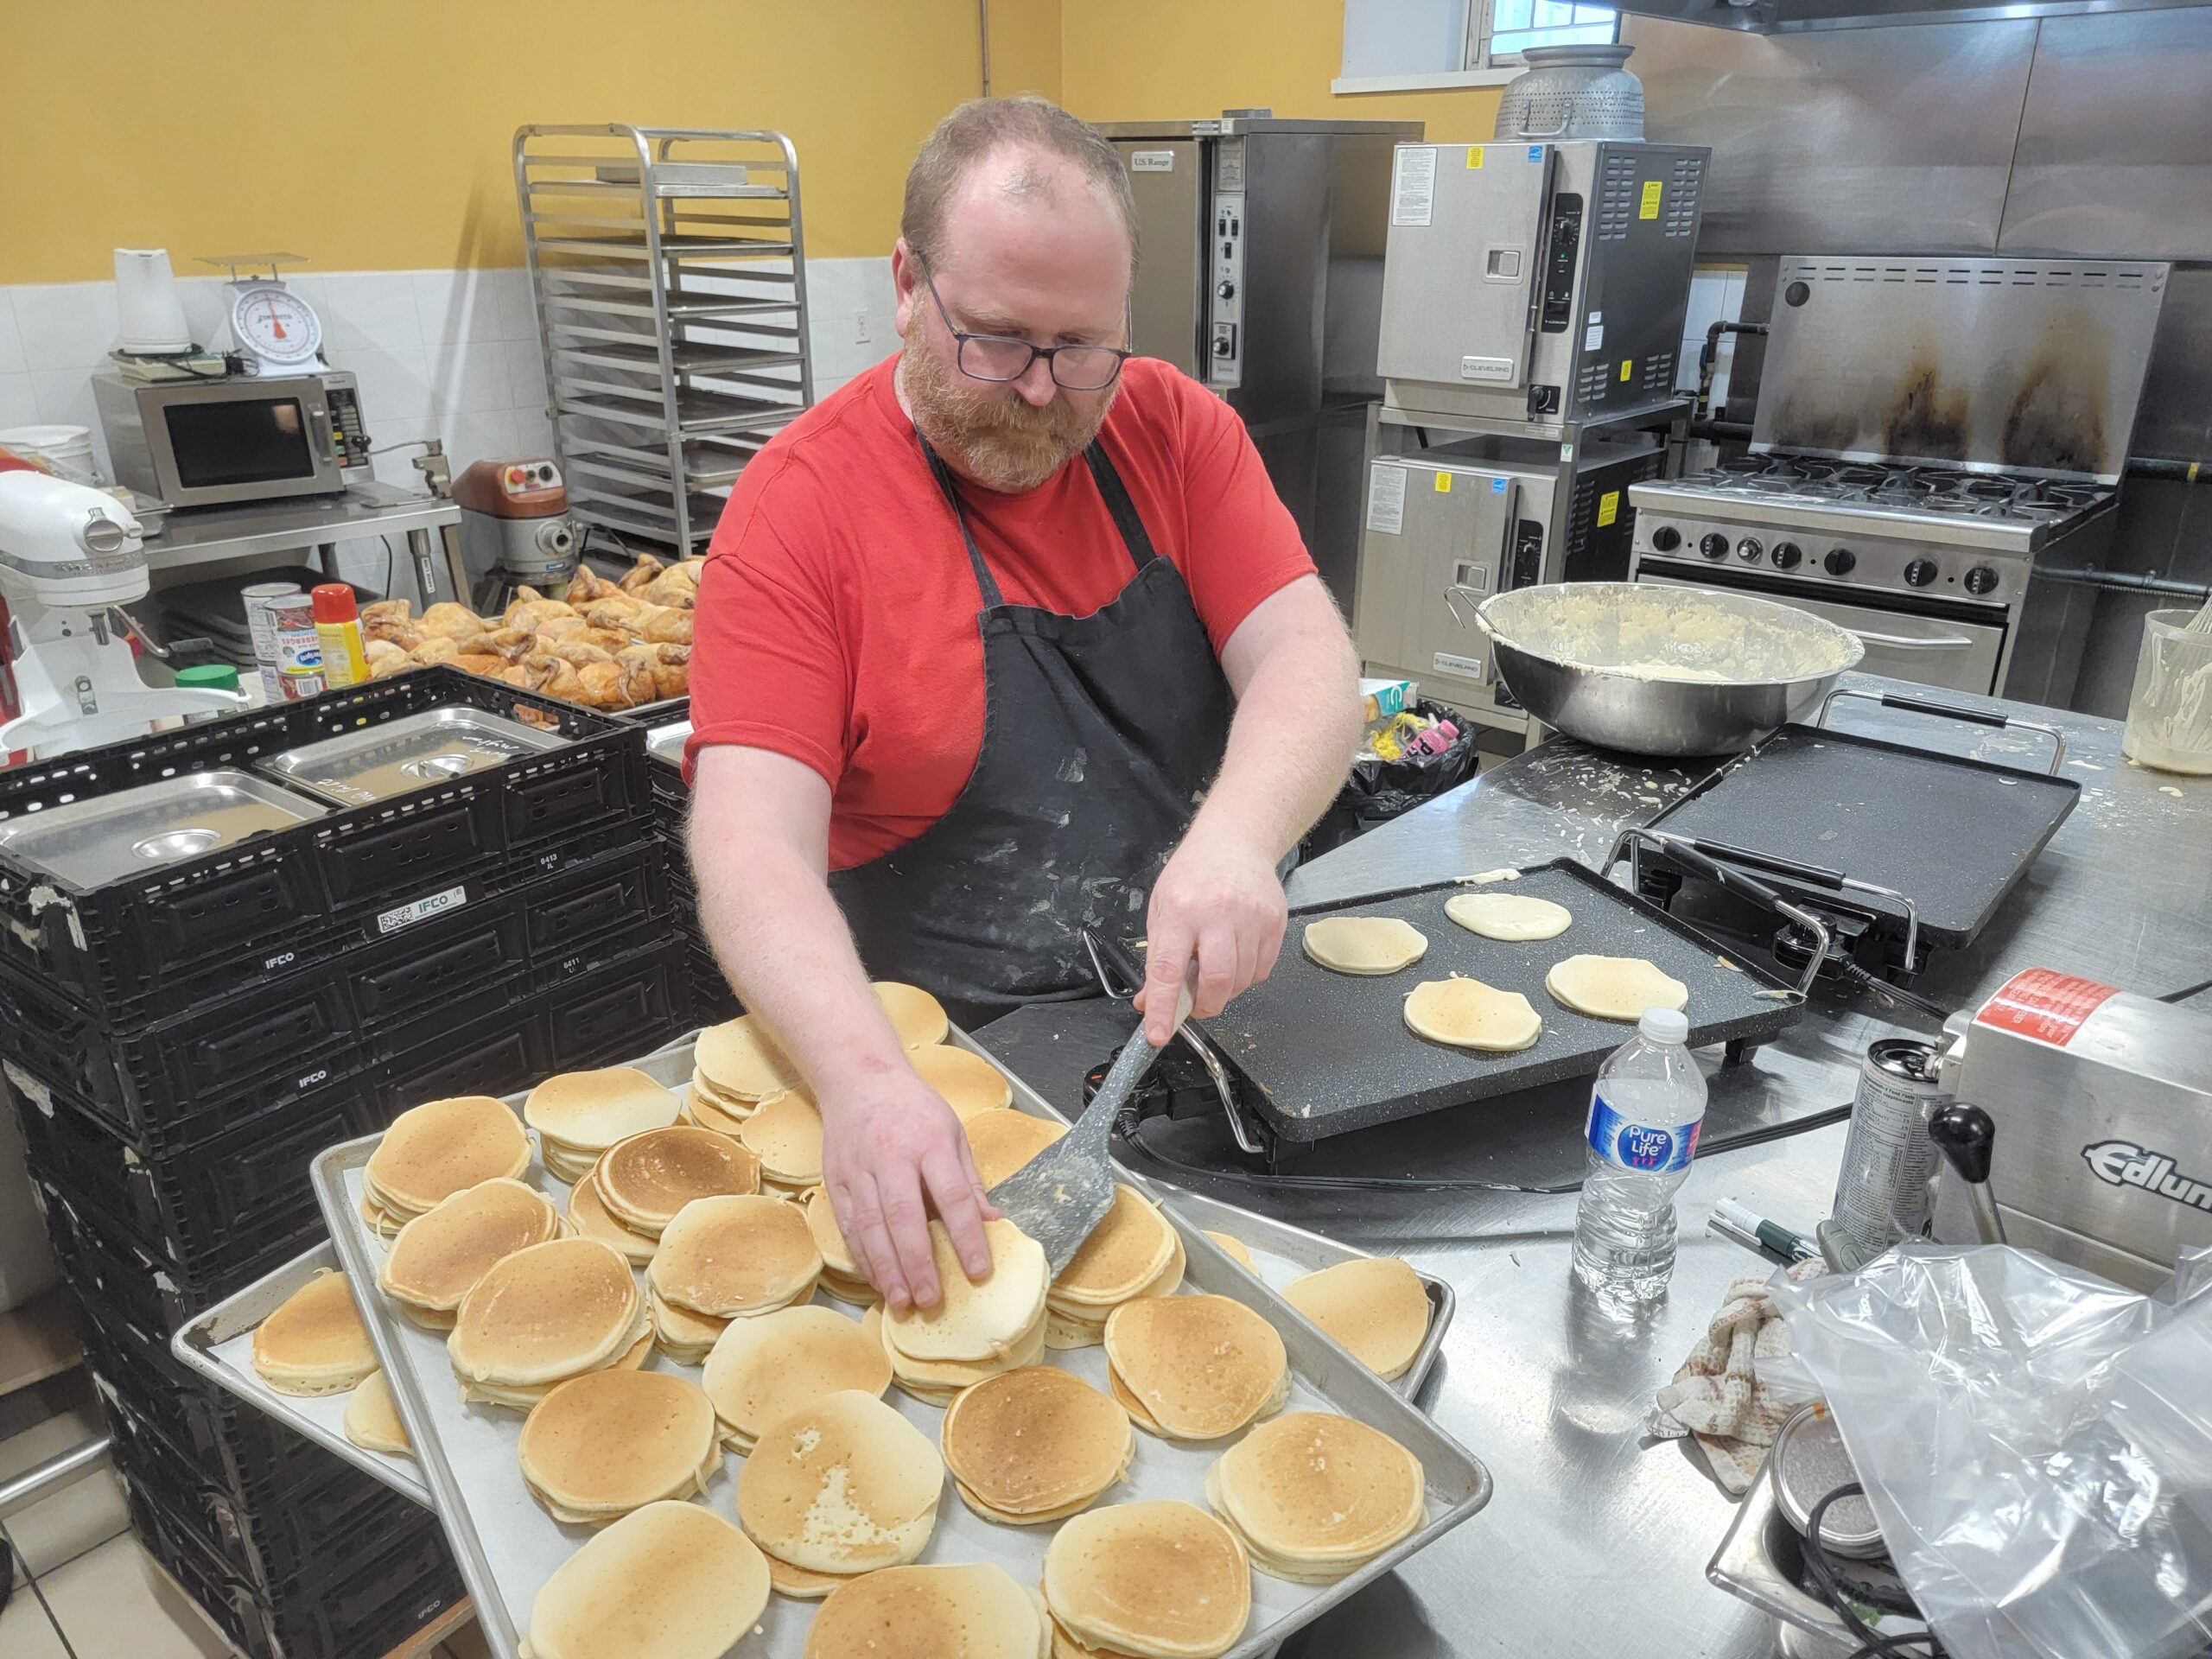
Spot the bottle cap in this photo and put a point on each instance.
(333, 602)
(209, 676)
(1665, 1025)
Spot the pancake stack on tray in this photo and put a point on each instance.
(1313, 1496)
(1136, 1251)
(543, 1315)
(1376, 1309)
(1002, 1141)
(725, 1258)
(968, 1082)
(1194, 1367)
(590, 1216)
(841, 1487)
(604, 1444)
(976, 1611)
(629, 1196)
(669, 1581)
(763, 1370)
(1034, 1445)
(841, 1273)
(579, 1115)
(978, 1329)
(737, 1064)
(437, 1149)
(372, 1421)
(1161, 1580)
(314, 1342)
(785, 1134)
(439, 1256)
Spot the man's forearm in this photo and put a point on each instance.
(1290, 746)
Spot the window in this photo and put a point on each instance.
(1510, 25)
(1398, 45)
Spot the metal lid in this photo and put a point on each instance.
(87, 844)
(666, 742)
(1809, 1462)
(415, 752)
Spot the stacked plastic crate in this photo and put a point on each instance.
(712, 998)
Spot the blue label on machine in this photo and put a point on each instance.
(1497, 487)
(1639, 1145)
(1535, 152)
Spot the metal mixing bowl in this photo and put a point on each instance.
(1589, 658)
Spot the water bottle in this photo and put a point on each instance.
(1645, 1111)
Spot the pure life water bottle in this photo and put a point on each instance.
(1645, 1111)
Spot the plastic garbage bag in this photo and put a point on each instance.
(1378, 791)
(2037, 1444)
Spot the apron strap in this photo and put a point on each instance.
(986, 582)
(1136, 541)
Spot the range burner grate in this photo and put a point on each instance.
(1943, 491)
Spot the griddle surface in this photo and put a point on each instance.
(1325, 1052)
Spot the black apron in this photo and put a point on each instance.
(1100, 735)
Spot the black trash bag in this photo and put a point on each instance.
(1379, 791)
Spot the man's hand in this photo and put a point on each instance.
(1219, 900)
(892, 1152)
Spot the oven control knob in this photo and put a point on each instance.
(1982, 579)
(1920, 572)
(1666, 539)
(1713, 545)
(1841, 562)
(1749, 549)
(1785, 556)
(1224, 289)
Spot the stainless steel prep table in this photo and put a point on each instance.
(1598, 1539)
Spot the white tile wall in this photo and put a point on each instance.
(1716, 295)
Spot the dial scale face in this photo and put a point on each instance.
(271, 322)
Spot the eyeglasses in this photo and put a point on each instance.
(1000, 357)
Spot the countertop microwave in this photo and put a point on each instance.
(207, 443)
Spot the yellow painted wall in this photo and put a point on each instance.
(378, 137)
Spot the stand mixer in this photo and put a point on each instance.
(69, 556)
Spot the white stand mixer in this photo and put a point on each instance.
(69, 556)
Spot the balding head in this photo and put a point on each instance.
(1024, 151)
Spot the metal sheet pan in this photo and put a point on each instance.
(507, 1546)
(87, 844)
(218, 1344)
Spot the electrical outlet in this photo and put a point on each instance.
(862, 333)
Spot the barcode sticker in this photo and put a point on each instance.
(1386, 500)
(436, 903)
(1412, 187)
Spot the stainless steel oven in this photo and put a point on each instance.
(206, 443)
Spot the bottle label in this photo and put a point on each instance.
(1639, 1145)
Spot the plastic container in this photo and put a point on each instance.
(337, 627)
(2169, 710)
(208, 677)
(1645, 1111)
(67, 449)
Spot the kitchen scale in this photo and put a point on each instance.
(272, 327)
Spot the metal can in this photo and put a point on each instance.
(257, 599)
(299, 647)
(1887, 1160)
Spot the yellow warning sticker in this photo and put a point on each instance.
(1653, 190)
(1609, 507)
(1627, 363)
(1444, 483)
(1474, 154)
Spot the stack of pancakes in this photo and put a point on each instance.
(1157, 1581)
(543, 1315)
(843, 1486)
(579, 1115)
(373, 1420)
(1376, 1309)
(762, 1369)
(841, 1272)
(628, 1199)
(727, 1258)
(669, 1581)
(437, 1149)
(976, 1611)
(785, 1134)
(1313, 1496)
(1194, 1367)
(737, 1064)
(314, 1342)
(438, 1257)
(969, 1083)
(978, 1329)
(1034, 1445)
(604, 1444)
(1136, 1251)
(1002, 1141)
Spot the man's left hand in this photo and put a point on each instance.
(1218, 900)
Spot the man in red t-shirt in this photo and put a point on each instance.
(1008, 638)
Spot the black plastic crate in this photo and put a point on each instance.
(509, 1051)
(391, 1592)
(109, 1269)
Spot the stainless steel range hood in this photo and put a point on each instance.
(1805, 17)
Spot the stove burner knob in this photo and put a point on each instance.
(1749, 549)
(1841, 562)
(1785, 556)
(1980, 579)
(1666, 539)
(1713, 545)
(1920, 572)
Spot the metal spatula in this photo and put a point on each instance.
(1059, 1196)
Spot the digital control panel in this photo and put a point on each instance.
(1224, 298)
(1559, 254)
(348, 437)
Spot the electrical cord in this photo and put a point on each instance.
(1846, 1596)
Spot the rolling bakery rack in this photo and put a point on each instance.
(667, 271)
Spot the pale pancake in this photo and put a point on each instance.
(821, 1222)
(786, 1135)
(1002, 1141)
(727, 1257)
(937, 1380)
(669, 1581)
(372, 1421)
(1064, 1333)
(919, 1018)
(1238, 1251)
(800, 1585)
(563, 1165)
(615, 1441)
(702, 1108)
(1513, 917)
(444, 1146)
(1066, 1647)
(844, 1484)
(1202, 1366)
(1128, 1250)
(1376, 1308)
(1614, 987)
(685, 1337)
(974, 1321)
(967, 1610)
(589, 1111)
(547, 1312)
(855, 1290)
(761, 1370)
(645, 1180)
(1467, 1013)
(590, 1216)
(315, 1342)
(525, 1398)
(438, 1257)
(741, 1059)
(1162, 1578)
(968, 1082)
(1315, 1496)
(1363, 944)
(1031, 1443)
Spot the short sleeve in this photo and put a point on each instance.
(1242, 544)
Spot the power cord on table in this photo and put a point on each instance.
(1844, 1596)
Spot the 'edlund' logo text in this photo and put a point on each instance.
(2122, 1163)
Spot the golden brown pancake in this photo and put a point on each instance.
(444, 1146)
(669, 1581)
(965, 1610)
(589, 1111)
(590, 1217)
(1315, 1496)
(1376, 1308)
(762, 1369)
(1035, 1443)
(314, 1342)
(844, 1484)
(1002, 1143)
(968, 1082)
(547, 1312)
(1200, 1366)
(601, 1445)
(439, 1256)
(645, 1180)
(1161, 1579)
(727, 1257)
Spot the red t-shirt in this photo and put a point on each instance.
(836, 617)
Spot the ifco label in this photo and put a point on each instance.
(1637, 1146)
(423, 909)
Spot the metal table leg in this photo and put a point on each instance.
(456, 581)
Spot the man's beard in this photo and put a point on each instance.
(988, 431)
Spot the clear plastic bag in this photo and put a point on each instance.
(2036, 1443)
